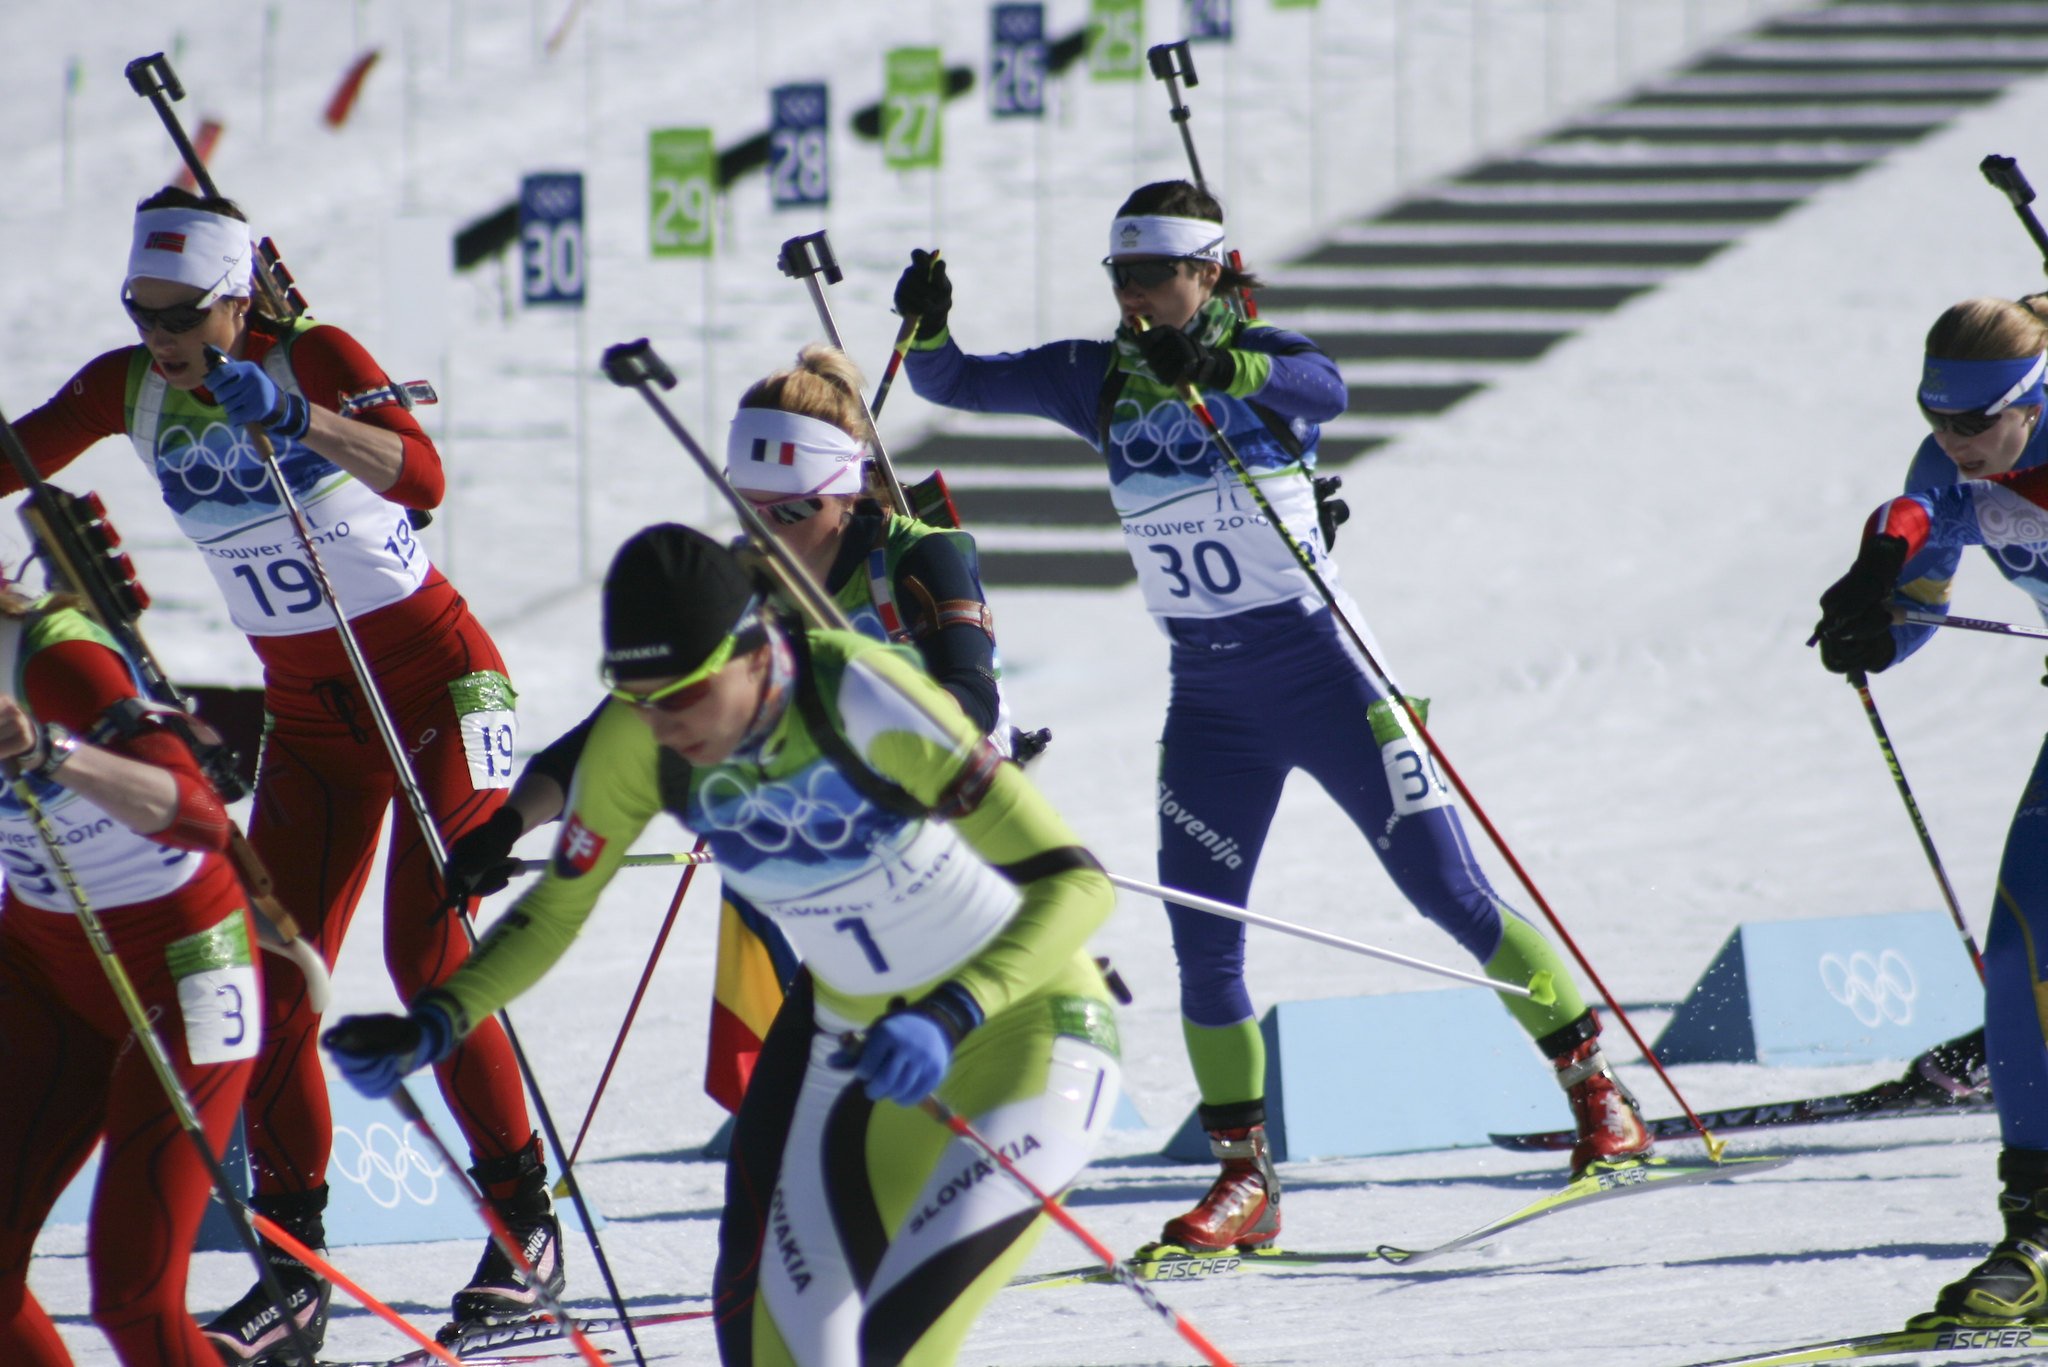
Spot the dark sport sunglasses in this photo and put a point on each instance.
(1961, 424)
(173, 318)
(1146, 275)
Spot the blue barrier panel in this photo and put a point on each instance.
(1407, 1071)
(387, 1183)
(1840, 989)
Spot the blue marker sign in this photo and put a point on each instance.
(551, 238)
(1016, 61)
(798, 171)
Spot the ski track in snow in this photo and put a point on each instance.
(1601, 569)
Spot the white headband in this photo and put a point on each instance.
(1160, 235)
(786, 454)
(209, 252)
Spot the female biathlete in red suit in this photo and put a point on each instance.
(141, 832)
(356, 461)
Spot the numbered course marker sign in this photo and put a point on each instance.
(681, 166)
(1016, 61)
(1116, 47)
(1206, 21)
(798, 173)
(914, 87)
(551, 238)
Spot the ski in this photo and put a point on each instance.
(1886, 1100)
(1953, 1338)
(480, 1344)
(1170, 1262)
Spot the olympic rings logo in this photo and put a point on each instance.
(1140, 436)
(1875, 989)
(775, 816)
(387, 1166)
(219, 456)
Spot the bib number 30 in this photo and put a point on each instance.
(1209, 561)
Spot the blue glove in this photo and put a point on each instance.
(905, 1054)
(376, 1052)
(251, 396)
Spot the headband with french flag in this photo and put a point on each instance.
(788, 455)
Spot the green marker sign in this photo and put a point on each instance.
(1116, 48)
(913, 90)
(681, 166)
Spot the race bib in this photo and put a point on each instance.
(1209, 550)
(365, 544)
(484, 710)
(217, 992)
(1412, 778)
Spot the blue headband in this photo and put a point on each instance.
(1988, 387)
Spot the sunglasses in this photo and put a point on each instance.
(1961, 424)
(691, 689)
(173, 318)
(1146, 275)
(680, 696)
(794, 511)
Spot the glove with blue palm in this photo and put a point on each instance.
(250, 396)
(376, 1052)
(906, 1053)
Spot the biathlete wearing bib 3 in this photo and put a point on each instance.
(325, 782)
(1264, 682)
(176, 914)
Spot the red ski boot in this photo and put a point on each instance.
(1242, 1207)
(1610, 1122)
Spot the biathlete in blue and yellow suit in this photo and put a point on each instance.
(1264, 682)
(1981, 478)
(940, 905)
(795, 452)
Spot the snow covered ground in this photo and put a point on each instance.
(1602, 570)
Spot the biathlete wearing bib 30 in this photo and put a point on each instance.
(175, 912)
(875, 1236)
(325, 782)
(1264, 682)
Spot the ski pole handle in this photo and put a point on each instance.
(2005, 176)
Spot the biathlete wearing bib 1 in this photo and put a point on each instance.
(325, 782)
(176, 914)
(1264, 682)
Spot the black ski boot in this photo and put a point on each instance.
(2010, 1286)
(250, 1333)
(517, 1186)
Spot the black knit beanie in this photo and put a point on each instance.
(671, 596)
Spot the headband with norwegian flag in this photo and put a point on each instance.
(790, 456)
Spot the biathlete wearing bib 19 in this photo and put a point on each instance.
(862, 1232)
(1264, 682)
(175, 912)
(326, 781)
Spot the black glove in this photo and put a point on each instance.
(1178, 359)
(923, 292)
(481, 862)
(1855, 628)
(1332, 512)
(1026, 746)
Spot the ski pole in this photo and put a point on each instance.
(2004, 175)
(1174, 63)
(1861, 683)
(1306, 558)
(631, 861)
(430, 834)
(696, 858)
(1541, 989)
(940, 1112)
(502, 1236)
(159, 1060)
(1922, 617)
(282, 1237)
(899, 349)
(807, 258)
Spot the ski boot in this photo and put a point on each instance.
(250, 1333)
(2010, 1286)
(517, 1186)
(1610, 1122)
(1242, 1207)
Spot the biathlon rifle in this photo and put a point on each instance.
(2004, 175)
(1174, 63)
